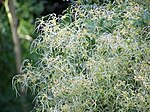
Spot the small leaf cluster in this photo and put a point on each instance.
(92, 59)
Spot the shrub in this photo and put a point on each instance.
(93, 58)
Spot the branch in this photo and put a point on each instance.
(10, 10)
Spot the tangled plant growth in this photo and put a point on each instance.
(93, 59)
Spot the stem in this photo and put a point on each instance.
(10, 10)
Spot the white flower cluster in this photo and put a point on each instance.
(91, 59)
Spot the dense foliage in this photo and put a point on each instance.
(92, 59)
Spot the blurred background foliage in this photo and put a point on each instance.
(27, 11)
